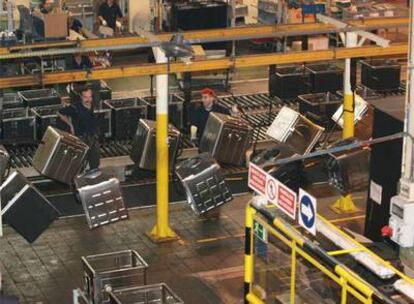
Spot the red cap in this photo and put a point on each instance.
(208, 91)
(387, 231)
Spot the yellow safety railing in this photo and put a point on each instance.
(286, 247)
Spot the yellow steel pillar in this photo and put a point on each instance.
(162, 231)
(345, 204)
(248, 255)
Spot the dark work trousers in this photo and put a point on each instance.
(8, 300)
(94, 150)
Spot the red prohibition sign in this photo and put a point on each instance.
(271, 189)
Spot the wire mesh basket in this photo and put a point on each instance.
(149, 294)
(113, 270)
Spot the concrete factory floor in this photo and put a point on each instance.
(204, 266)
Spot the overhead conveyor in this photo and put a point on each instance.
(238, 62)
(224, 34)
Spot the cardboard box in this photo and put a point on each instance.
(55, 25)
(297, 46)
(318, 43)
(199, 53)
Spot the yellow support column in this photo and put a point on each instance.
(345, 204)
(293, 275)
(162, 231)
(248, 255)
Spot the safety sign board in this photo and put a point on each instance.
(257, 179)
(307, 211)
(263, 183)
(260, 231)
(274, 191)
(286, 200)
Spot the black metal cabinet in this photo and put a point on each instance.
(125, 116)
(198, 15)
(175, 110)
(288, 82)
(385, 165)
(104, 121)
(381, 74)
(319, 107)
(18, 127)
(46, 116)
(41, 97)
(325, 77)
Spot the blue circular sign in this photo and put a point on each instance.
(307, 211)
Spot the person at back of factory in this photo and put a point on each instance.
(46, 6)
(75, 24)
(81, 120)
(200, 116)
(110, 14)
(81, 62)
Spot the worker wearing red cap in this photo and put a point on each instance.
(208, 98)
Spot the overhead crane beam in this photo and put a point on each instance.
(223, 34)
(379, 22)
(247, 61)
(196, 35)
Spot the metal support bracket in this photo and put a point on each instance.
(347, 28)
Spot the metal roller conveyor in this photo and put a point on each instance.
(24, 161)
(260, 119)
(123, 148)
(114, 150)
(248, 102)
(14, 162)
(115, 158)
(29, 152)
(400, 91)
(256, 114)
(107, 152)
(226, 102)
(260, 100)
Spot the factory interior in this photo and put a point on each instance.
(206, 151)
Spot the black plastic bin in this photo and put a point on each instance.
(325, 77)
(381, 74)
(319, 107)
(18, 127)
(126, 113)
(41, 97)
(288, 82)
(175, 110)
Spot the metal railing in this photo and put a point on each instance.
(282, 265)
